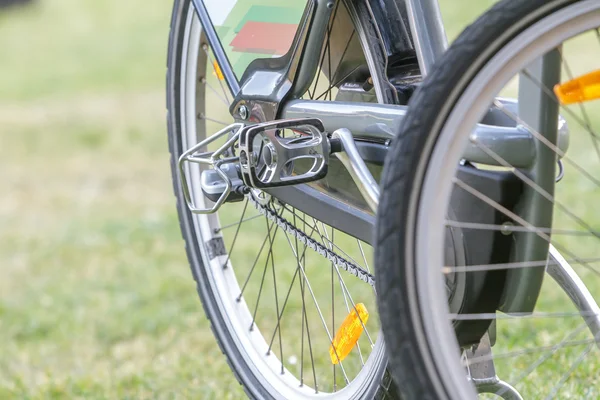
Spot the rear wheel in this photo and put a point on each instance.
(274, 303)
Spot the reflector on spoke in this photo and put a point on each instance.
(579, 90)
(348, 333)
(217, 71)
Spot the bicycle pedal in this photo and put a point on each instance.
(282, 153)
(219, 178)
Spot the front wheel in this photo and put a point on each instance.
(470, 209)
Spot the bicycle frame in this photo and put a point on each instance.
(271, 89)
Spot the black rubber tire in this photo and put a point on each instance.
(402, 182)
(253, 388)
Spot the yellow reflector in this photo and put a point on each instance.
(348, 334)
(218, 72)
(579, 90)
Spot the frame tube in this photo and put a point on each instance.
(215, 44)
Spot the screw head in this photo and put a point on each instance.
(243, 110)
(243, 158)
(507, 228)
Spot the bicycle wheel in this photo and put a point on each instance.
(274, 303)
(474, 200)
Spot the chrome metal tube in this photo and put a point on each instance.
(350, 157)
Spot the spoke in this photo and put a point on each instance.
(237, 223)
(277, 327)
(213, 63)
(304, 318)
(514, 265)
(566, 342)
(362, 252)
(362, 361)
(345, 288)
(473, 317)
(215, 92)
(302, 270)
(562, 344)
(545, 141)
(533, 350)
(276, 302)
(538, 189)
(331, 86)
(520, 220)
(549, 93)
(305, 321)
(270, 254)
(513, 228)
(568, 374)
(216, 121)
(255, 262)
(237, 231)
(333, 326)
(337, 70)
(280, 315)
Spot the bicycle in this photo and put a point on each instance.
(316, 95)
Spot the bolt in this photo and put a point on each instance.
(243, 158)
(243, 110)
(330, 5)
(507, 228)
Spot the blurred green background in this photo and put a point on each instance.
(96, 297)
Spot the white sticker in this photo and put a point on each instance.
(219, 10)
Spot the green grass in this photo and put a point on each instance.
(96, 297)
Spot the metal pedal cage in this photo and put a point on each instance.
(215, 159)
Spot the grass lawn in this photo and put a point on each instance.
(96, 296)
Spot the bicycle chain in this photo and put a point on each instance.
(311, 243)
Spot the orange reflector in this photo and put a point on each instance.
(348, 334)
(218, 71)
(579, 90)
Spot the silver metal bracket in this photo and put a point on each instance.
(482, 372)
